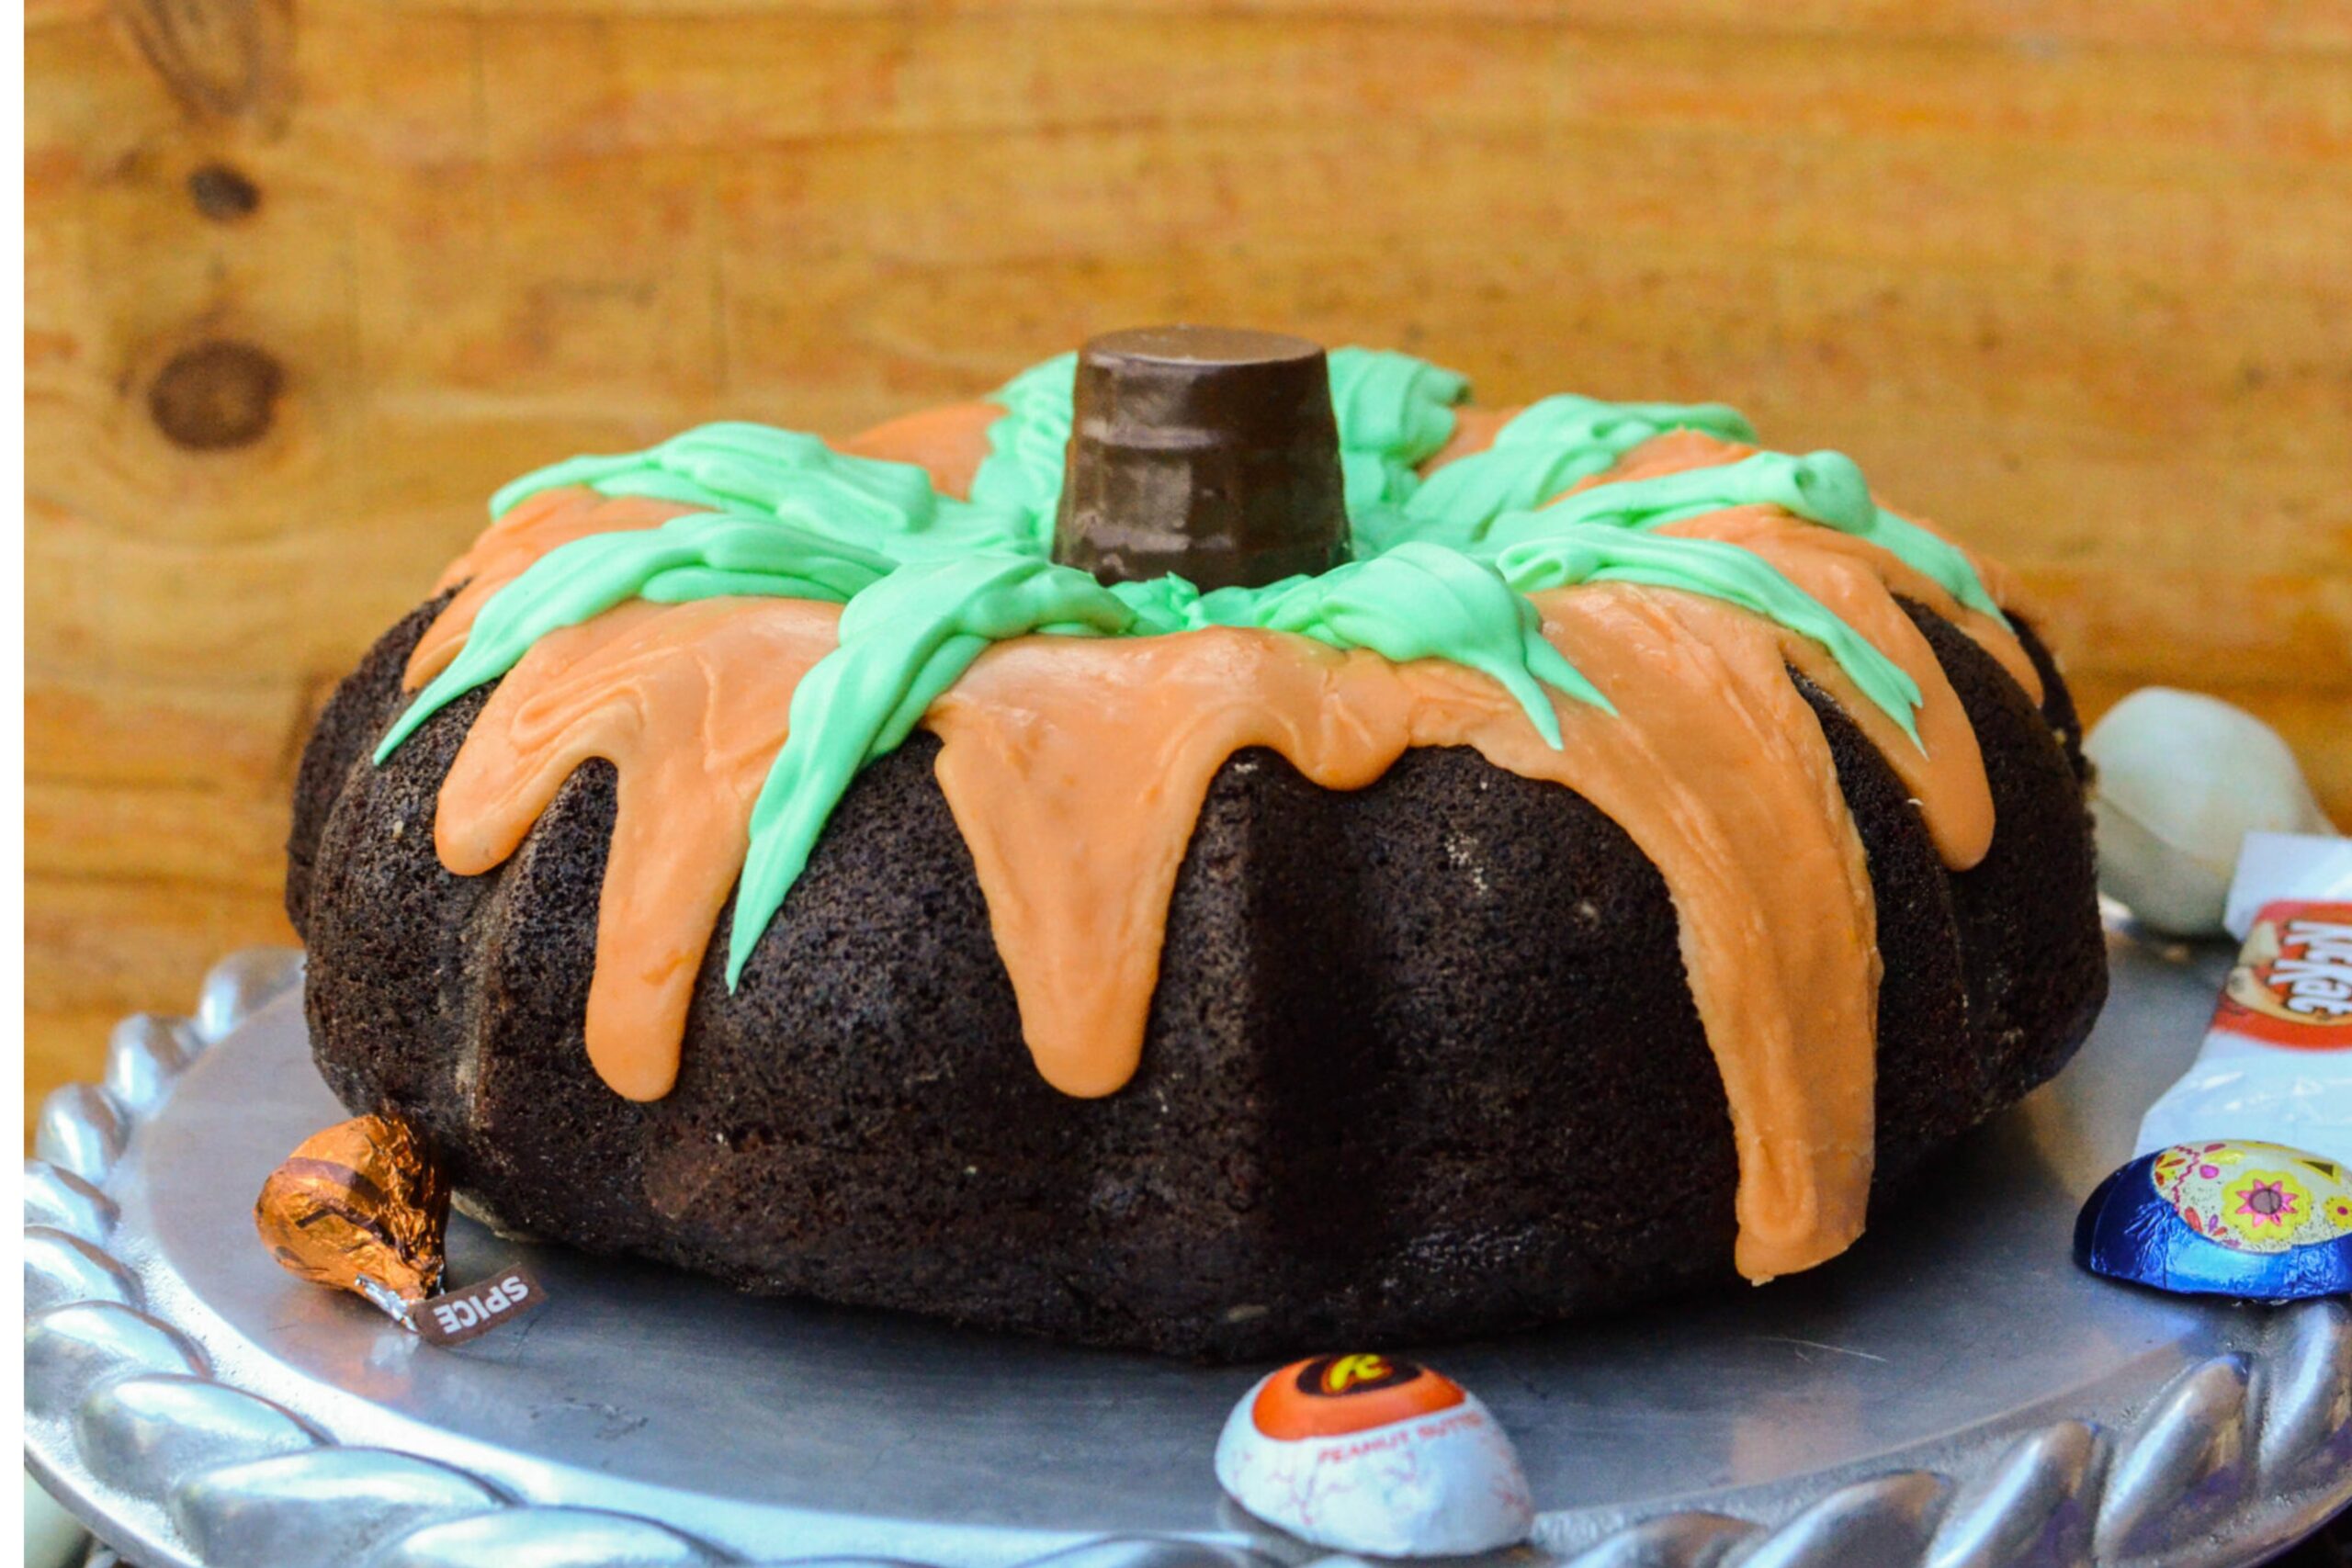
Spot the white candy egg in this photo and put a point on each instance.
(1371, 1455)
(2182, 779)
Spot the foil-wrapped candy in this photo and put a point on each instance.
(2257, 1221)
(361, 1207)
(1371, 1455)
(2242, 1182)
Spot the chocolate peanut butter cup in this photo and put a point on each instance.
(1208, 452)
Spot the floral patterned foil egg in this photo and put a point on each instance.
(2230, 1218)
(1366, 1453)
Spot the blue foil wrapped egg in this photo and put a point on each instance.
(2228, 1218)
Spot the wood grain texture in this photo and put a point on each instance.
(306, 280)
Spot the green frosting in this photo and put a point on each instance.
(786, 476)
(690, 557)
(1443, 567)
(1022, 473)
(753, 468)
(1586, 553)
(1544, 451)
(1418, 601)
(1824, 488)
(1394, 412)
(901, 645)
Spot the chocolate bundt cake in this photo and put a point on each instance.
(1217, 848)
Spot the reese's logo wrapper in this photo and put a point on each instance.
(1368, 1453)
(361, 1208)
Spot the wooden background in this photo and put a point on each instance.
(307, 278)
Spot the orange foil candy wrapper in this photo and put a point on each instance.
(1371, 1455)
(361, 1208)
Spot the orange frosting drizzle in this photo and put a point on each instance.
(688, 703)
(1680, 450)
(1076, 769)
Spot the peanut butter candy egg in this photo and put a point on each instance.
(1367, 1453)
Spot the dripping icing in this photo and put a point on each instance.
(1624, 682)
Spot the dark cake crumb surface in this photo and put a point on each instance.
(1407, 1041)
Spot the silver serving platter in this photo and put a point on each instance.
(1952, 1393)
